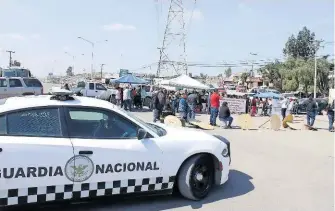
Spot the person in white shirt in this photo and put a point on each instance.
(290, 106)
(127, 99)
(284, 104)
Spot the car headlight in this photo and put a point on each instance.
(225, 152)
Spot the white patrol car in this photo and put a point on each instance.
(62, 147)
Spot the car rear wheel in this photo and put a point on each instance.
(195, 178)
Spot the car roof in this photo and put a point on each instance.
(15, 103)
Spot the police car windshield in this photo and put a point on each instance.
(158, 130)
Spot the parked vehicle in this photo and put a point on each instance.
(17, 86)
(77, 148)
(302, 103)
(89, 89)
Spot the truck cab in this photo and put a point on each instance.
(91, 89)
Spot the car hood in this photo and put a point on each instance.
(188, 135)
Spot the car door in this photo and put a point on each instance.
(91, 92)
(99, 89)
(33, 155)
(109, 157)
(15, 87)
(3, 88)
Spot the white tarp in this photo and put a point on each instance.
(185, 81)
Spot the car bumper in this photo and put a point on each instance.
(224, 162)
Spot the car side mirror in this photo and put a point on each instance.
(141, 134)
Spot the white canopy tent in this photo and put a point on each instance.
(185, 81)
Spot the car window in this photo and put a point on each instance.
(87, 115)
(35, 122)
(32, 82)
(99, 124)
(3, 83)
(15, 83)
(100, 87)
(3, 125)
(91, 86)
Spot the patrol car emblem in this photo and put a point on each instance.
(79, 168)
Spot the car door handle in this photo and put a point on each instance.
(85, 152)
(0, 149)
(96, 91)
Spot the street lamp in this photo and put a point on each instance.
(73, 60)
(92, 44)
(252, 64)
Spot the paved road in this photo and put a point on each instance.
(271, 170)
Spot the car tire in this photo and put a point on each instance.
(195, 178)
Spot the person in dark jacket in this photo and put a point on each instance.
(330, 113)
(66, 86)
(311, 109)
(191, 103)
(224, 115)
(158, 105)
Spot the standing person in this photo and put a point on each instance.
(191, 103)
(143, 96)
(158, 105)
(209, 102)
(330, 113)
(215, 104)
(224, 115)
(66, 87)
(254, 106)
(121, 96)
(183, 107)
(127, 98)
(118, 96)
(311, 111)
(284, 104)
(290, 106)
(246, 103)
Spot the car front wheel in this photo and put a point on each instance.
(195, 178)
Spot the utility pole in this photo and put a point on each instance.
(102, 65)
(172, 59)
(10, 57)
(316, 47)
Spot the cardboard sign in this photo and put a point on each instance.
(235, 105)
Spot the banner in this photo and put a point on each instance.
(235, 105)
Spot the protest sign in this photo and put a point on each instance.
(235, 105)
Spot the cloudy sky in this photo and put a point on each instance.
(41, 31)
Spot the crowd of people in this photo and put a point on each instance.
(187, 103)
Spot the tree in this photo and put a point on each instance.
(324, 68)
(228, 72)
(305, 70)
(69, 71)
(303, 46)
(273, 73)
(244, 77)
(16, 63)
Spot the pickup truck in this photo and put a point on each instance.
(93, 89)
(17, 86)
